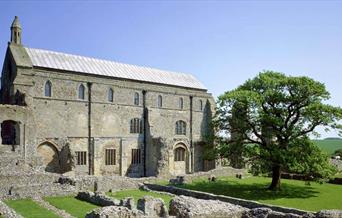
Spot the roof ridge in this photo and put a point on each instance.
(90, 65)
(111, 61)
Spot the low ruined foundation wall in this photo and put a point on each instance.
(115, 182)
(97, 199)
(6, 211)
(218, 172)
(101, 183)
(208, 196)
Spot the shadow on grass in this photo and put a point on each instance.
(252, 191)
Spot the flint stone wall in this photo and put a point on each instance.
(153, 207)
(329, 214)
(97, 199)
(30, 191)
(186, 207)
(22, 181)
(268, 213)
(100, 183)
(115, 212)
(147, 207)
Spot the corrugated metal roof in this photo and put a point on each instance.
(75, 63)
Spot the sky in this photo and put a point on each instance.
(222, 43)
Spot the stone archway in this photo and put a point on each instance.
(180, 159)
(50, 156)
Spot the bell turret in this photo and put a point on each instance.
(16, 31)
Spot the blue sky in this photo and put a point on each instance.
(222, 43)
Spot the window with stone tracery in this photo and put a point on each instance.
(179, 154)
(110, 156)
(81, 158)
(136, 125)
(180, 127)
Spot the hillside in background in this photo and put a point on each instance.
(329, 145)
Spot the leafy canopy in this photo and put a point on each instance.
(274, 114)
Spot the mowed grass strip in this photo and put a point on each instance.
(71, 205)
(30, 209)
(136, 194)
(293, 193)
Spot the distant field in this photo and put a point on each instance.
(329, 145)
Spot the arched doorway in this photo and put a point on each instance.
(49, 154)
(181, 159)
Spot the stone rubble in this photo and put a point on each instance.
(115, 212)
(329, 214)
(153, 207)
(97, 198)
(128, 202)
(267, 213)
(187, 207)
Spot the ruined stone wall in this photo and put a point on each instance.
(25, 133)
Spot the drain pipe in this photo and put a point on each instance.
(90, 141)
(191, 144)
(145, 128)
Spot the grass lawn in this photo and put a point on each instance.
(293, 193)
(71, 205)
(137, 194)
(329, 145)
(30, 209)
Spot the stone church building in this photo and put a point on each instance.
(64, 112)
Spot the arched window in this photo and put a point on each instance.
(110, 95)
(201, 105)
(180, 103)
(10, 132)
(160, 101)
(48, 89)
(136, 126)
(81, 92)
(136, 98)
(180, 127)
(179, 154)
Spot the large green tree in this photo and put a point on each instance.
(272, 116)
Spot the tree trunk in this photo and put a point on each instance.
(275, 185)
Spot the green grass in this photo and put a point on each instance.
(136, 194)
(293, 193)
(30, 209)
(329, 145)
(71, 205)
